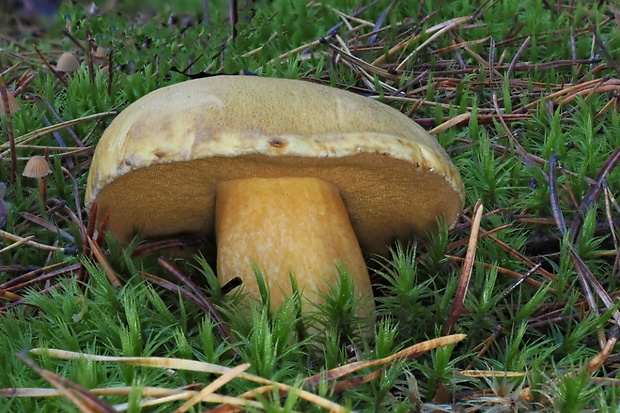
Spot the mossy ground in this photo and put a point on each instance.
(522, 94)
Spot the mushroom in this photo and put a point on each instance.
(38, 167)
(290, 176)
(12, 104)
(100, 55)
(67, 63)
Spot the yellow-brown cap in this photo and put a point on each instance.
(156, 167)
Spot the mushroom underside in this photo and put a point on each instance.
(386, 198)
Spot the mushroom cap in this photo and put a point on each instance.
(12, 104)
(157, 166)
(36, 167)
(67, 62)
(100, 53)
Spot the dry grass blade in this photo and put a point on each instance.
(77, 216)
(29, 392)
(526, 158)
(485, 345)
(596, 363)
(86, 401)
(107, 391)
(553, 193)
(87, 233)
(268, 385)
(4, 95)
(610, 222)
(153, 396)
(212, 387)
(522, 279)
(587, 280)
(67, 269)
(457, 120)
(482, 373)
(157, 362)
(468, 266)
(379, 23)
(101, 259)
(211, 398)
(517, 56)
(47, 225)
(412, 351)
(7, 295)
(436, 30)
(360, 65)
(513, 274)
(17, 283)
(340, 372)
(356, 381)
(153, 247)
(31, 136)
(191, 365)
(484, 234)
(200, 298)
(593, 193)
(102, 231)
(17, 244)
(33, 244)
(520, 256)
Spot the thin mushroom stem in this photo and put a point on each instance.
(287, 226)
(42, 184)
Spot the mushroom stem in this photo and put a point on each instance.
(287, 225)
(42, 185)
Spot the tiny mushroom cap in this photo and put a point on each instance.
(292, 176)
(67, 63)
(36, 167)
(100, 55)
(12, 104)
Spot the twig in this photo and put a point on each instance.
(468, 265)
(82, 398)
(596, 363)
(200, 296)
(50, 67)
(553, 193)
(107, 268)
(33, 244)
(517, 57)
(9, 129)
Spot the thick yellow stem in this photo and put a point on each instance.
(287, 225)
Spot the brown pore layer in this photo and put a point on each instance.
(386, 198)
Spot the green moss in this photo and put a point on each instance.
(547, 331)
